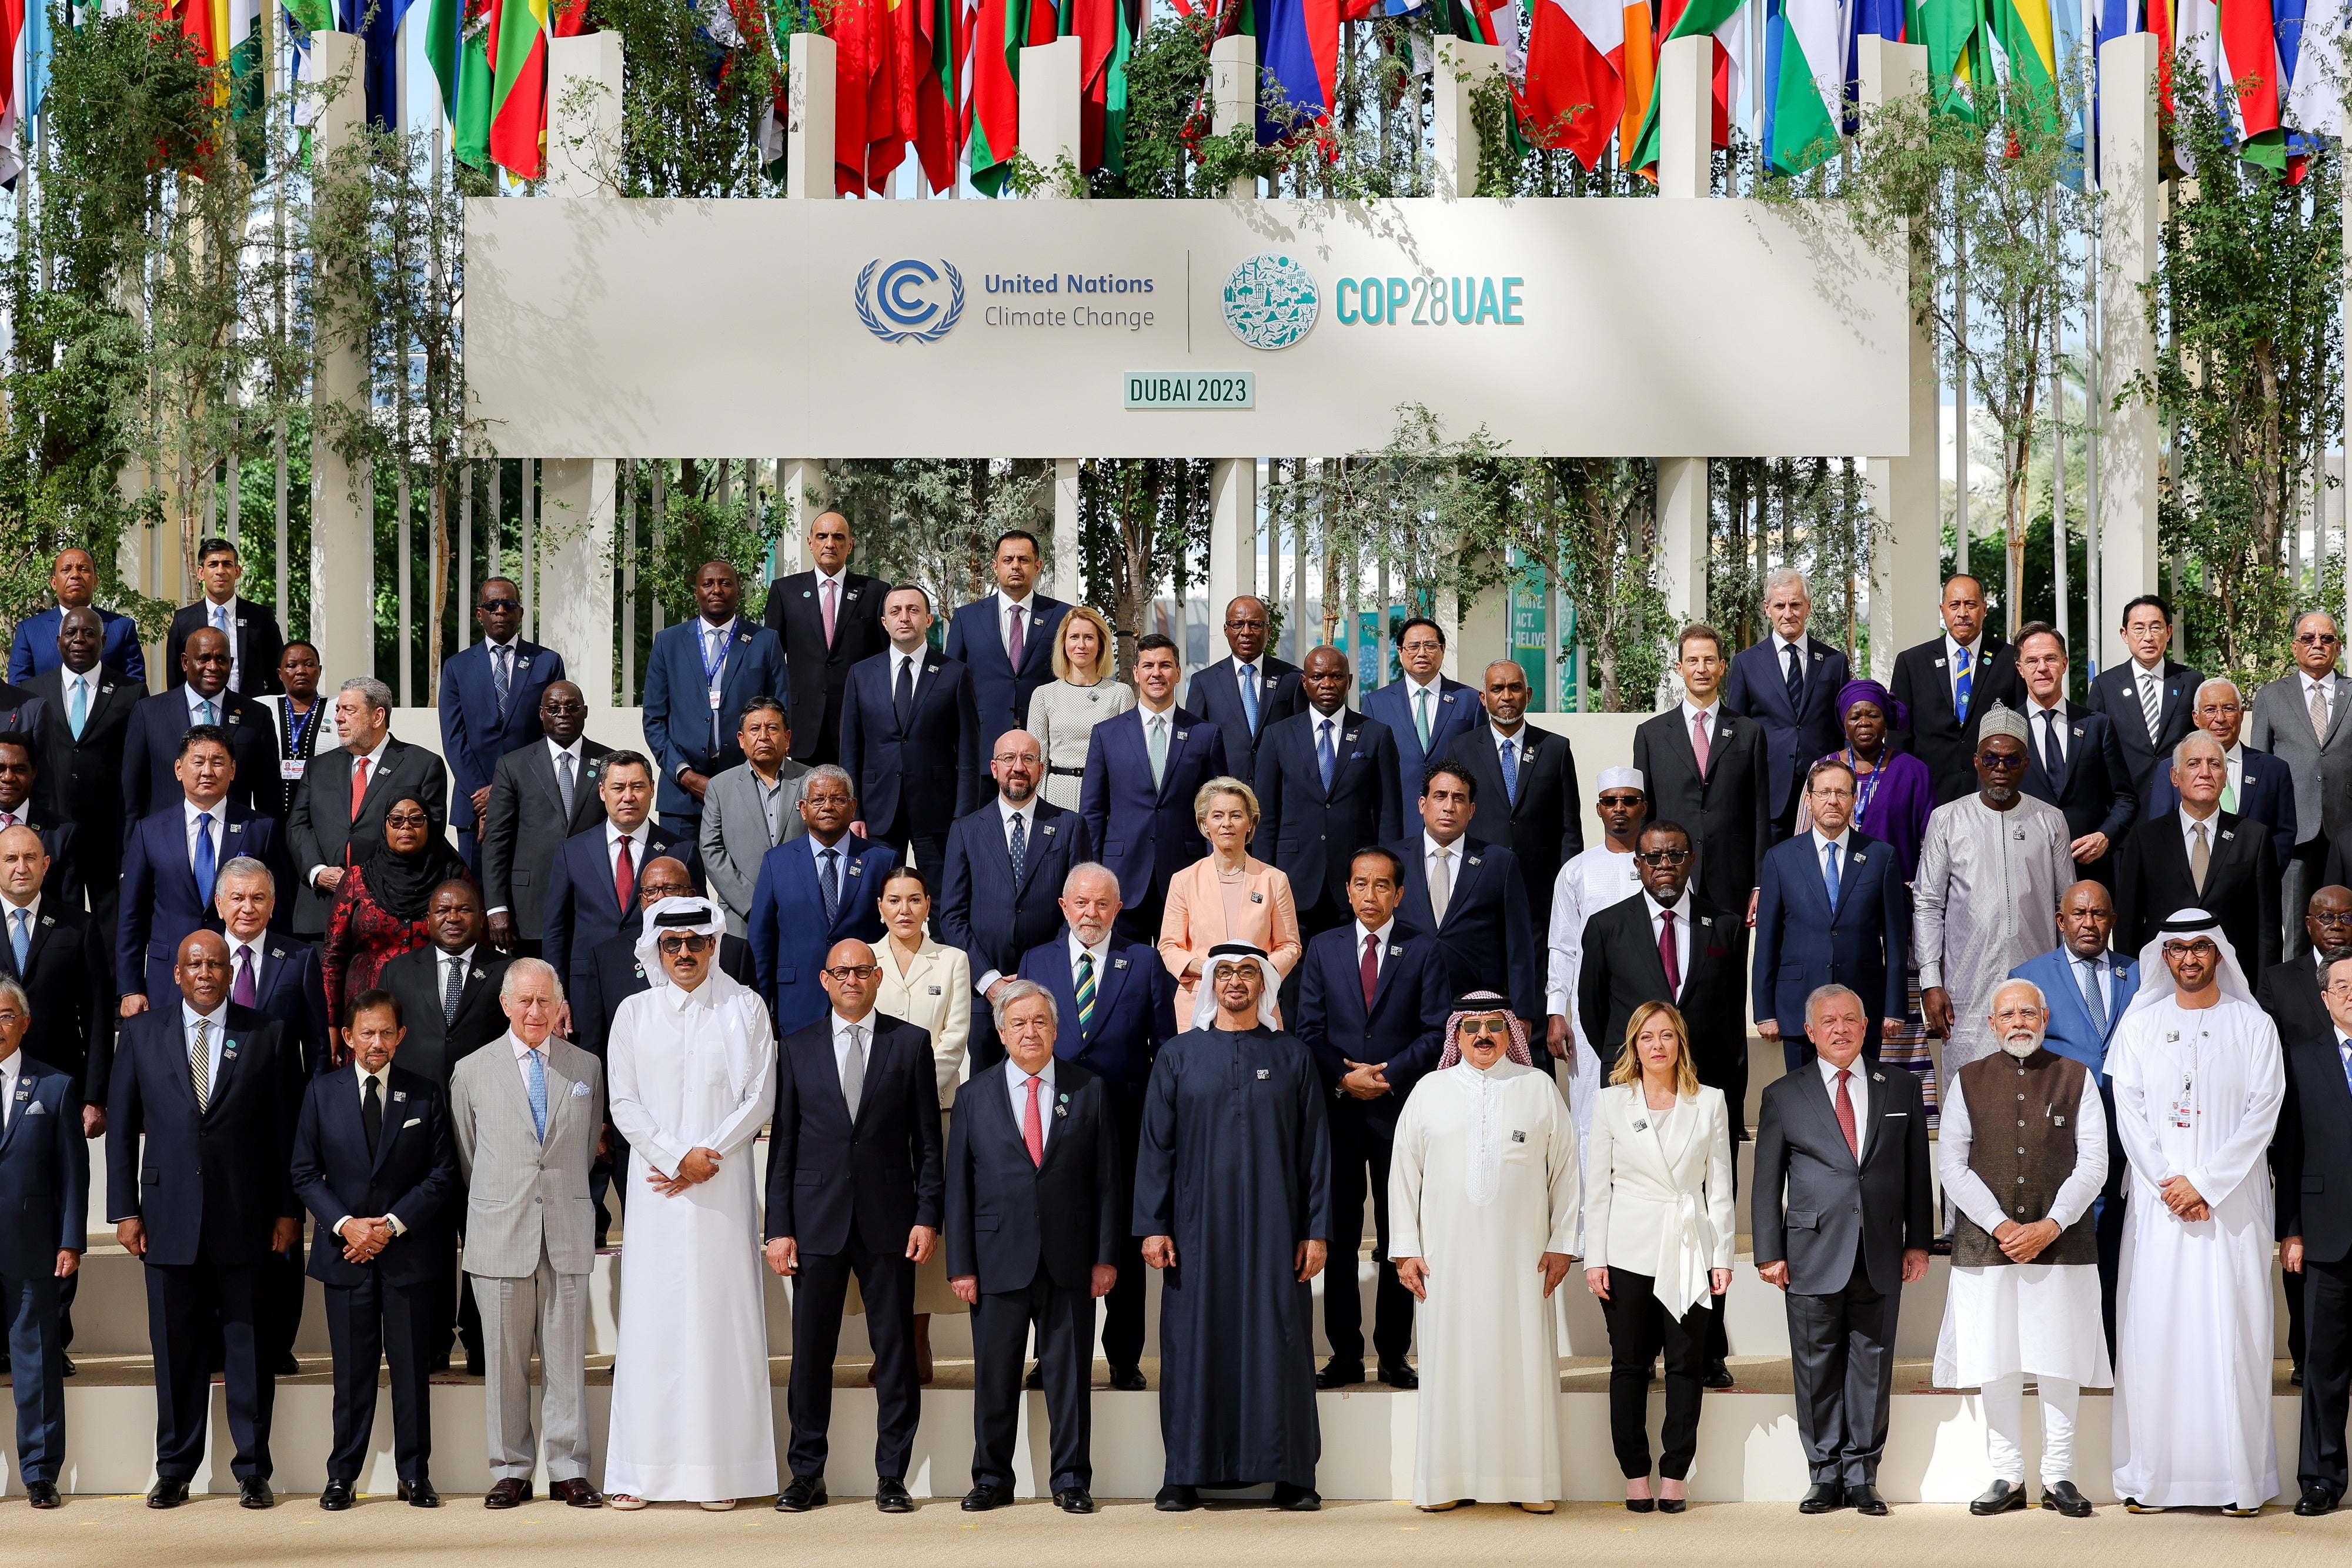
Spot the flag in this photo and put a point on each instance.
(1297, 64)
(1726, 20)
(992, 112)
(1575, 90)
(1804, 82)
(890, 92)
(14, 112)
(470, 122)
(1953, 32)
(445, 49)
(518, 110)
(1106, 30)
(2314, 99)
(1639, 73)
(377, 21)
(938, 134)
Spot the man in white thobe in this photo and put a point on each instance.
(2024, 1294)
(2198, 1082)
(689, 1062)
(1590, 882)
(1483, 1188)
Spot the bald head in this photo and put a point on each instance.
(852, 979)
(1016, 765)
(23, 865)
(664, 876)
(202, 970)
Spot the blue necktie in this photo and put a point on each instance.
(1245, 676)
(828, 882)
(535, 1077)
(1795, 680)
(1961, 686)
(2344, 1053)
(208, 712)
(1830, 873)
(1323, 758)
(204, 858)
(1018, 847)
(1509, 752)
(21, 939)
(78, 713)
(2095, 999)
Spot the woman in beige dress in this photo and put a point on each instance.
(1063, 715)
(1226, 896)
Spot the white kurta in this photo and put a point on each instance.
(1985, 901)
(691, 1414)
(2041, 1318)
(2197, 1094)
(1586, 885)
(1482, 1183)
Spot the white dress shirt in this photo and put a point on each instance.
(1005, 606)
(1379, 939)
(218, 1019)
(251, 946)
(196, 701)
(1412, 699)
(222, 618)
(1102, 962)
(360, 1076)
(2189, 826)
(1455, 852)
(8, 918)
(512, 652)
(189, 812)
(1857, 1088)
(1682, 931)
(1027, 812)
(2041, 733)
(899, 661)
(1845, 842)
(10, 1069)
(1017, 1082)
(840, 1028)
(88, 681)
(2101, 972)
(522, 1065)
(1506, 742)
(636, 849)
(442, 964)
(1692, 714)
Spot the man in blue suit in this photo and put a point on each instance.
(699, 675)
(1143, 770)
(489, 705)
(157, 724)
(1118, 1006)
(375, 1161)
(2088, 986)
(73, 579)
(1788, 684)
(2257, 784)
(1001, 882)
(1312, 820)
(1373, 1005)
(44, 1229)
(1470, 896)
(820, 888)
(1832, 908)
(1425, 709)
(2073, 759)
(592, 890)
(1007, 639)
(172, 865)
(910, 734)
(1247, 691)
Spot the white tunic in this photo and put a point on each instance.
(1586, 885)
(691, 1414)
(1482, 1183)
(2197, 1094)
(1985, 901)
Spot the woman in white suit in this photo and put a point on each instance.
(1658, 1235)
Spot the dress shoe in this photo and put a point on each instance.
(42, 1494)
(576, 1493)
(2295, 1376)
(287, 1366)
(622, 1502)
(2061, 1496)
(1074, 1500)
(2243, 1510)
(1718, 1375)
(1337, 1374)
(1176, 1500)
(2132, 1505)
(511, 1492)
(2314, 1501)
(167, 1493)
(1998, 1497)
(1821, 1497)
(982, 1498)
(1397, 1374)
(419, 1493)
(1128, 1379)
(804, 1493)
(254, 1492)
(1036, 1380)
(1672, 1504)
(1292, 1499)
(337, 1497)
(1641, 1505)
(1866, 1499)
(890, 1496)
(70, 1369)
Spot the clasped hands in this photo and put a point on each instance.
(698, 1167)
(2022, 1243)
(1366, 1080)
(2186, 1202)
(364, 1239)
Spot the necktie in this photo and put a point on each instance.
(1013, 640)
(902, 700)
(714, 665)
(200, 1065)
(828, 883)
(358, 785)
(21, 939)
(1795, 679)
(1370, 970)
(1666, 952)
(830, 589)
(1245, 676)
(7, 818)
(1963, 682)
(1159, 748)
(852, 1072)
(1421, 716)
(204, 858)
(1510, 753)
(220, 624)
(535, 1084)
(2344, 1053)
(1325, 759)
(2229, 791)
(2150, 705)
(372, 1114)
(2054, 761)
(242, 992)
(1845, 1114)
(2094, 1000)
(452, 988)
(1830, 873)
(565, 783)
(2320, 712)
(210, 716)
(1699, 743)
(501, 675)
(1441, 881)
(1018, 847)
(624, 875)
(1033, 1124)
(2201, 856)
(1086, 994)
(78, 711)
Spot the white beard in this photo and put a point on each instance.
(2021, 1049)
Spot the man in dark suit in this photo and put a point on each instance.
(814, 890)
(21, 801)
(2259, 785)
(1373, 1005)
(699, 675)
(1006, 640)
(1120, 1004)
(2294, 993)
(2073, 759)
(2149, 699)
(73, 579)
(2200, 857)
(1950, 683)
(828, 620)
(171, 865)
(853, 1187)
(54, 950)
(2313, 1154)
(491, 699)
(1143, 771)
(1001, 882)
(1843, 1216)
(1036, 1235)
(1327, 786)
(1626, 948)
(1832, 909)
(540, 796)
(214, 1093)
(1470, 897)
(254, 638)
(1528, 777)
(375, 1162)
(87, 724)
(1789, 683)
(1424, 708)
(910, 734)
(333, 825)
(152, 743)
(591, 888)
(1706, 769)
(616, 973)
(44, 1230)
(1248, 691)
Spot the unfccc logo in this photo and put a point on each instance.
(900, 297)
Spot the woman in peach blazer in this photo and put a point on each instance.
(1226, 896)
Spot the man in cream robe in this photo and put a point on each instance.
(1597, 878)
(1483, 1201)
(690, 1063)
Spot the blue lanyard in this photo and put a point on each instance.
(297, 726)
(710, 666)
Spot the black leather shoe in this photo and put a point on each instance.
(1074, 1500)
(287, 1366)
(1821, 1497)
(804, 1493)
(1128, 1379)
(254, 1492)
(1998, 1497)
(1337, 1374)
(1292, 1499)
(1641, 1505)
(1718, 1375)
(980, 1499)
(2295, 1376)
(2061, 1496)
(1176, 1500)
(42, 1494)
(167, 1493)
(511, 1492)
(1672, 1504)
(2314, 1501)
(1866, 1499)
(1397, 1374)
(419, 1493)
(1036, 1380)
(337, 1497)
(890, 1496)
(70, 1370)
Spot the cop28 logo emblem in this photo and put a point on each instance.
(905, 298)
(1270, 301)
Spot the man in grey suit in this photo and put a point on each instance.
(529, 1110)
(2299, 718)
(750, 809)
(1847, 1139)
(540, 794)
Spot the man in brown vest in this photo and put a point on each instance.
(2023, 1148)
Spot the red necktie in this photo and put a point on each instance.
(1371, 969)
(1666, 954)
(829, 588)
(1699, 743)
(1845, 1114)
(1033, 1124)
(624, 875)
(359, 785)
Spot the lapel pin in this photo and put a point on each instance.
(1473, 860)
(1395, 951)
(47, 921)
(1064, 1099)
(398, 1095)
(1257, 898)
(851, 595)
(805, 594)
(1046, 828)
(1939, 663)
(1116, 964)
(1182, 733)
(1264, 1072)
(1519, 1136)
(479, 976)
(1861, 860)
(236, 827)
(1064, 1108)
(1878, 1078)
(934, 990)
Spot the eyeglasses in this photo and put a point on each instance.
(2000, 760)
(2201, 947)
(1663, 857)
(2315, 639)
(691, 942)
(845, 973)
(563, 704)
(500, 606)
(1485, 1026)
(408, 820)
(1007, 758)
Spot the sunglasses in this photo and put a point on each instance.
(1663, 857)
(691, 942)
(500, 606)
(1485, 1026)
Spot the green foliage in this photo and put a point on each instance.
(697, 529)
(931, 521)
(699, 81)
(1141, 522)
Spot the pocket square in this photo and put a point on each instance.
(1892, 1115)
(414, 1121)
(37, 1109)
(577, 1090)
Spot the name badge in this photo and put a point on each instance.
(1257, 898)
(292, 769)
(1517, 1136)
(1264, 1073)
(934, 990)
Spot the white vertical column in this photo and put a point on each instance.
(802, 490)
(1049, 108)
(2129, 456)
(584, 115)
(1233, 94)
(1685, 127)
(1904, 546)
(342, 542)
(1233, 535)
(1463, 67)
(1068, 582)
(808, 124)
(575, 571)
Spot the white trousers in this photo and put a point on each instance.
(2004, 1408)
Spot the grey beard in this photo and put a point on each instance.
(2022, 1049)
